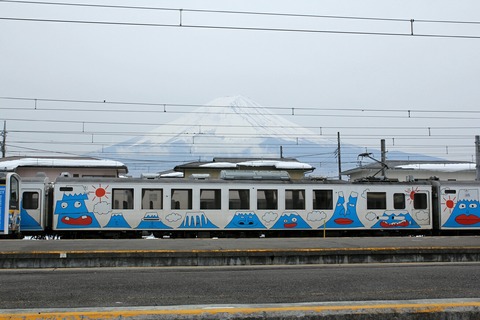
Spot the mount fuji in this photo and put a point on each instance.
(232, 127)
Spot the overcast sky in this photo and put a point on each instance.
(329, 77)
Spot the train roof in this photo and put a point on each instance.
(240, 181)
(11, 163)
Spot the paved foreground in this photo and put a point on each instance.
(228, 252)
(221, 252)
(418, 309)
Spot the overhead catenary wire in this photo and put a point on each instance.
(72, 4)
(182, 22)
(137, 24)
(174, 108)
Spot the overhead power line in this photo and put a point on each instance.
(183, 23)
(237, 12)
(239, 126)
(176, 108)
(138, 24)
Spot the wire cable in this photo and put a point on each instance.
(297, 15)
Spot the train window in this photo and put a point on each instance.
(30, 200)
(376, 200)
(322, 199)
(420, 201)
(152, 199)
(295, 199)
(267, 199)
(14, 193)
(182, 199)
(239, 199)
(210, 199)
(122, 198)
(399, 201)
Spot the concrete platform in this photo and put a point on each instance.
(368, 310)
(265, 251)
(229, 252)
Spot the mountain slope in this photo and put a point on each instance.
(232, 127)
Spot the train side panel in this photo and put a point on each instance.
(459, 206)
(184, 205)
(381, 206)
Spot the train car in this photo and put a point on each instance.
(9, 203)
(249, 203)
(458, 206)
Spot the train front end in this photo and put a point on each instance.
(9, 203)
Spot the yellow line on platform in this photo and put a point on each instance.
(125, 313)
(238, 250)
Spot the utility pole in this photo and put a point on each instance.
(4, 138)
(383, 158)
(339, 157)
(477, 157)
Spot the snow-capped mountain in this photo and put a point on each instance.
(229, 127)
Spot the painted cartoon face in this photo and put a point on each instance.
(343, 221)
(395, 220)
(345, 215)
(71, 206)
(245, 220)
(291, 221)
(73, 212)
(466, 213)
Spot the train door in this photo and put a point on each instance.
(32, 209)
(421, 208)
(9, 203)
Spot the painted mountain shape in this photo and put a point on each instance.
(117, 221)
(151, 221)
(197, 220)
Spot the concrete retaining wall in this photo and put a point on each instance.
(152, 258)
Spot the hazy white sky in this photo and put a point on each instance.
(329, 77)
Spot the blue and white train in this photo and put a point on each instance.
(9, 203)
(246, 203)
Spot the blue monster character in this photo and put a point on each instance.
(291, 220)
(392, 220)
(73, 213)
(345, 218)
(245, 220)
(466, 212)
